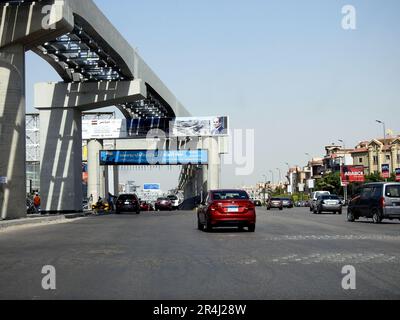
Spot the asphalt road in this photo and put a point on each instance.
(292, 255)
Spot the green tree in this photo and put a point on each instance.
(330, 182)
(373, 177)
(376, 177)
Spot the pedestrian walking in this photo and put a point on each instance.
(36, 202)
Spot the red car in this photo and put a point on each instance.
(226, 208)
(163, 204)
(145, 206)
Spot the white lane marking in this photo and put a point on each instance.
(333, 237)
(354, 258)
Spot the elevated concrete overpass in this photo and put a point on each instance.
(98, 68)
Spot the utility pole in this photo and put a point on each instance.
(343, 143)
(384, 144)
(264, 188)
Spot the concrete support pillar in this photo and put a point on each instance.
(61, 160)
(12, 133)
(371, 160)
(113, 180)
(394, 158)
(214, 164)
(96, 174)
(189, 194)
(116, 180)
(204, 181)
(380, 159)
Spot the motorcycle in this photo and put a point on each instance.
(30, 208)
(101, 205)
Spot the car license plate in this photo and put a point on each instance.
(126, 202)
(233, 209)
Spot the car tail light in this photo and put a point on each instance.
(382, 202)
(214, 207)
(250, 206)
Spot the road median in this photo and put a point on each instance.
(38, 220)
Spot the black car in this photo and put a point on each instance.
(377, 201)
(127, 203)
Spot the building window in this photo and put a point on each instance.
(388, 157)
(398, 158)
(360, 160)
(375, 160)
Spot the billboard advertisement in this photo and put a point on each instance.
(200, 126)
(385, 171)
(398, 174)
(178, 127)
(352, 174)
(151, 186)
(311, 184)
(153, 157)
(104, 129)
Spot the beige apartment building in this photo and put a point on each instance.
(373, 154)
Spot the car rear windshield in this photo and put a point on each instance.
(127, 197)
(173, 197)
(330, 198)
(393, 191)
(162, 199)
(230, 195)
(275, 199)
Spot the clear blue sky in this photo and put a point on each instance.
(285, 68)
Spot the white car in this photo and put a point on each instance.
(314, 196)
(175, 201)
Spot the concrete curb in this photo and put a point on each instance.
(38, 220)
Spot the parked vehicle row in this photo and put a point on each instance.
(125, 203)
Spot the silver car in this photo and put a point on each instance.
(328, 203)
(314, 197)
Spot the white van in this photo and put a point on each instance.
(314, 197)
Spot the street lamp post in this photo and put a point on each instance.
(280, 175)
(289, 178)
(384, 142)
(344, 144)
(384, 130)
(272, 174)
(264, 188)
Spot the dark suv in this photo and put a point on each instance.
(377, 201)
(127, 203)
